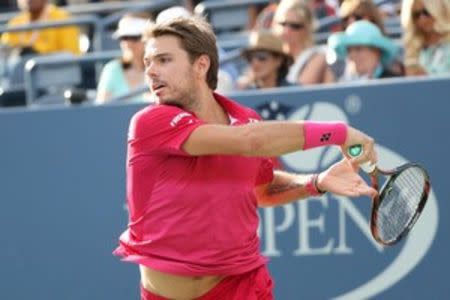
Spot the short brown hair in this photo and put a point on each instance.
(196, 38)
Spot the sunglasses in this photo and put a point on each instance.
(261, 56)
(422, 12)
(292, 25)
(131, 38)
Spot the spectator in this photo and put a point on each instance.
(368, 51)
(265, 16)
(294, 23)
(390, 9)
(268, 62)
(355, 10)
(426, 26)
(321, 10)
(51, 40)
(121, 76)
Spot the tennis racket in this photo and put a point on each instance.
(399, 202)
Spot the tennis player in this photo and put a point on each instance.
(197, 170)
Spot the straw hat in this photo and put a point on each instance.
(130, 26)
(363, 33)
(267, 41)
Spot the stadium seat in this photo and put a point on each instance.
(53, 78)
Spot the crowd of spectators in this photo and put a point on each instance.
(282, 49)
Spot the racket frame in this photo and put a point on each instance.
(378, 199)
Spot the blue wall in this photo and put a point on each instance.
(62, 196)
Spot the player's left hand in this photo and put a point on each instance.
(343, 179)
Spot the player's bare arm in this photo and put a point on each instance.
(254, 139)
(269, 138)
(284, 188)
(341, 179)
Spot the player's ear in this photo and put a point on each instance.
(201, 66)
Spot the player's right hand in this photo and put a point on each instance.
(356, 137)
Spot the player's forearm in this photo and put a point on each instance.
(278, 138)
(270, 138)
(286, 188)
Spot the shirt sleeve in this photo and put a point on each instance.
(161, 129)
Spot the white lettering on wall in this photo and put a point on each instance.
(296, 216)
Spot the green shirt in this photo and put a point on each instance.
(436, 59)
(112, 80)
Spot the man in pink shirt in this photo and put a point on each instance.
(198, 169)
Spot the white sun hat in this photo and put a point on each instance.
(172, 13)
(130, 26)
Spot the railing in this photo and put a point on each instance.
(96, 8)
(105, 22)
(98, 23)
(58, 68)
(217, 13)
(205, 6)
(90, 20)
(82, 20)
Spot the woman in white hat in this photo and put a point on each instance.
(121, 76)
(368, 52)
(426, 26)
(268, 62)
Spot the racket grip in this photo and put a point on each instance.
(368, 167)
(357, 150)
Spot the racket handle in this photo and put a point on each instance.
(368, 167)
(357, 150)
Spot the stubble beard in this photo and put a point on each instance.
(185, 95)
(184, 98)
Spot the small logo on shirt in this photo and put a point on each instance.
(178, 118)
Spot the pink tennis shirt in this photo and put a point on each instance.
(190, 215)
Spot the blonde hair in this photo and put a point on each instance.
(303, 12)
(413, 40)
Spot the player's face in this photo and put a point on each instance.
(168, 71)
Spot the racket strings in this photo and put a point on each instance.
(399, 204)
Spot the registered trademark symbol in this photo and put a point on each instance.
(353, 104)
